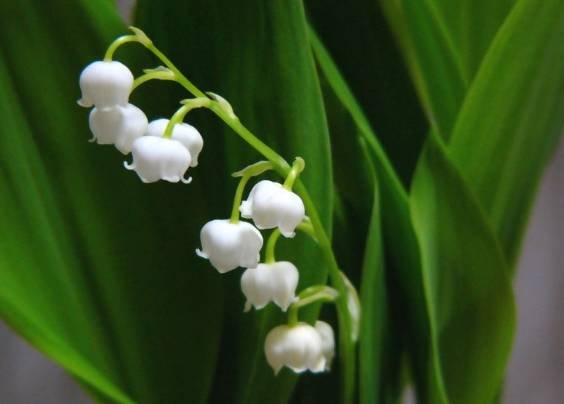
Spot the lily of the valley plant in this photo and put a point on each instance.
(164, 150)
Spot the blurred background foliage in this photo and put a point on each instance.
(425, 126)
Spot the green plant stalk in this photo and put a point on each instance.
(269, 256)
(122, 40)
(154, 75)
(297, 168)
(179, 115)
(237, 199)
(346, 344)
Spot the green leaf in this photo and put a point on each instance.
(358, 38)
(256, 56)
(513, 116)
(405, 276)
(443, 44)
(97, 261)
(467, 285)
(374, 349)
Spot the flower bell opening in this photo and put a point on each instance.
(275, 282)
(157, 159)
(297, 347)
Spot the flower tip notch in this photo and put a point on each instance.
(84, 104)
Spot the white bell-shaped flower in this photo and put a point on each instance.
(105, 84)
(275, 282)
(270, 205)
(327, 342)
(230, 245)
(118, 125)
(184, 133)
(298, 347)
(158, 158)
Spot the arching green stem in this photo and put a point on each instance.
(313, 294)
(153, 75)
(181, 78)
(238, 198)
(297, 168)
(179, 115)
(117, 43)
(269, 257)
(307, 228)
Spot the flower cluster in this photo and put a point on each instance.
(157, 154)
(231, 243)
(165, 149)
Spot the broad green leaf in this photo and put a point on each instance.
(471, 26)
(405, 276)
(357, 36)
(375, 349)
(443, 44)
(257, 56)
(436, 338)
(513, 116)
(432, 57)
(466, 281)
(103, 263)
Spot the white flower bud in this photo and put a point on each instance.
(230, 245)
(184, 133)
(327, 342)
(298, 347)
(274, 282)
(270, 205)
(118, 125)
(157, 159)
(105, 84)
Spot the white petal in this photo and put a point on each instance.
(105, 123)
(157, 159)
(274, 282)
(133, 125)
(270, 205)
(230, 245)
(118, 125)
(184, 133)
(284, 281)
(251, 243)
(297, 347)
(327, 341)
(255, 284)
(105, 84)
